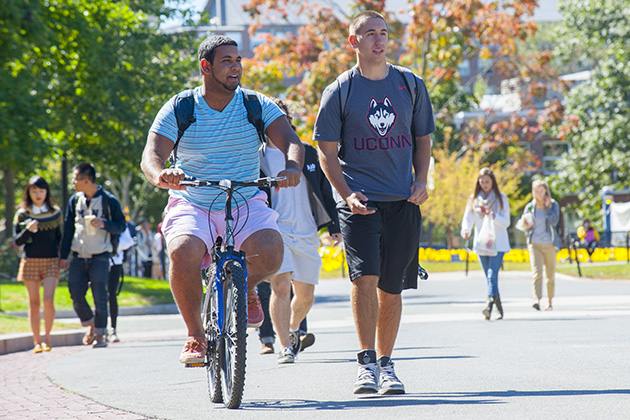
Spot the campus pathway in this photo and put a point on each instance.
(566, 364)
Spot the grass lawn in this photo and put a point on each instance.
(135, 292)
(17, 324)
(612, 271)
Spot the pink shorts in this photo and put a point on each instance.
(183, 218)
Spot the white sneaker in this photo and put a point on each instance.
(113, 337)
(389, 383)
(286, 355)
(368, 373)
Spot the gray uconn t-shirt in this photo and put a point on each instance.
(378, 147)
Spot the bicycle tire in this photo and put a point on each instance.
(234, 345)
(213, 338)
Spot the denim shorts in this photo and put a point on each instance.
(383, 244)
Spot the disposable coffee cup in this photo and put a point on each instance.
(89, 229)
(528, 219)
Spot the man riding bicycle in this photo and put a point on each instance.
(220, 144)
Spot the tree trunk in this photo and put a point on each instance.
(9, 200)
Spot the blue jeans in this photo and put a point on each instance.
(491, 267)
(265, 331)
(95, 272)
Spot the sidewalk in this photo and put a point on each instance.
(569, 363)
(11, 343)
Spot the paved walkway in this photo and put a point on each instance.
(26, 392)
(566, 364)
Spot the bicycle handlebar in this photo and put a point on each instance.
(226, 183)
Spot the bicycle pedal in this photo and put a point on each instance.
(193, 365)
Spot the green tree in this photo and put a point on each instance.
(597, 112)
(82, 80)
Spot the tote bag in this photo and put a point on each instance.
(485, 241)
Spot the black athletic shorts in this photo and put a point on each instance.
(383, 244)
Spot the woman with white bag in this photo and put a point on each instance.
(488, 212)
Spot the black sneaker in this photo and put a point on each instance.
(100, 341)
(307, 340)
(367, 377)
(294, 341)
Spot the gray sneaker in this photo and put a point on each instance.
(285, 356)
(100, 341)
(368, 373)
(389, 383)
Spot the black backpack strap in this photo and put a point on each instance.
(254, 112)
(410, 80)
(107, 213)
(344, 81)
(184, 106)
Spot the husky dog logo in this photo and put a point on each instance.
(381, 116)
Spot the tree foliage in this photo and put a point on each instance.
(454, 182)
(83, 80)
(595, 120)
(435, 41)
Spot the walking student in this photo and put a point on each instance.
(92, 225)
(370, 152)
(302, 211)
(488, 201)
(540, 218)
(37, 226)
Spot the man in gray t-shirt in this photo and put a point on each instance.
(378, 195)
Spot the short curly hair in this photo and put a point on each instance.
(208, 47)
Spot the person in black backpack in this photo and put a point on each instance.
(373, 132)
(218, 141)
(93, 224)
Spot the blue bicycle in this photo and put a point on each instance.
(224, 309)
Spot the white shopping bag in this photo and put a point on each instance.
(485, 240)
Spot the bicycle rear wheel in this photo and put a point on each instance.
(213, 338)
(234, 348)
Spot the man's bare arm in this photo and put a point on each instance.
(285, 138)
(154, 157)
(327, 151)
(421, 161)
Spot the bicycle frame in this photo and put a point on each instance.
(225, 319)
(227, 252)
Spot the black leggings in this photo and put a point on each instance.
(115, 271)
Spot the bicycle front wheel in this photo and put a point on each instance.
(234, 348)
(213, 337)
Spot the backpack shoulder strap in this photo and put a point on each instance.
(411, 83)
(185, 115)
(254, 112)
(107, 212)
(344, 81)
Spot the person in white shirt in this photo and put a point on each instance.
(302, 211)
(488, 201)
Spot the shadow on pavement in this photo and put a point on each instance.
(458, 398)
(376, 401)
